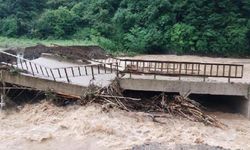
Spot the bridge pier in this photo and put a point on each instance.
(247, 113)
(2, 103)
(2, 96)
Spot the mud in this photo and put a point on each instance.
(8, 59)
(70, 52)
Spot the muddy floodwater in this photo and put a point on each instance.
(44, 126)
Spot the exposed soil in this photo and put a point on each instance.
(69, 52)
(8, 59)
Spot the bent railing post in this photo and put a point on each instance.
(59, 73)
(79, 70)
(92, 72)
(47, 72)
(66, 74)
(117, 70)
(52, 75)
(32, 69)
(86, 71)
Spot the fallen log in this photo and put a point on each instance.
(120, 97)
(177, 106)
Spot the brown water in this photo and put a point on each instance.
(45, 126)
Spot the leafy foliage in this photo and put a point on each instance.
(9, 27)
(56, 23)
(142, 26)
(182, 38)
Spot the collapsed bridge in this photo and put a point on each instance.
(184, 78)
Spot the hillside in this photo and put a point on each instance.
(144, 26)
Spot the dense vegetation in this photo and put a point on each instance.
(211, 27)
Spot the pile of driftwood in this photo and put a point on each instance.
(112, 96)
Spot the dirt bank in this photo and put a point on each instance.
(45, 126)
(69, 52)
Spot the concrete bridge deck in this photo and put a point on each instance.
(79, 77)
(41, 84)
(78, 84)
(168, 86)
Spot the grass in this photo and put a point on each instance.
(6, 42)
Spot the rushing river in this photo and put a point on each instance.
(45, 126)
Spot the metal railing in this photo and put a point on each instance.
(38, 70)
(85, 70)
(110, 60)
(179, 69)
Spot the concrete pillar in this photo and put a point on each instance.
(248, 103)
(2, 96)
(2, 103)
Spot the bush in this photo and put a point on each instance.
(109, 45)
(142, 26)
(237, 40)
(58, 23)
(143, 40)
(9, 27)
(183, 38)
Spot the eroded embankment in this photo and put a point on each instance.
(83, 53)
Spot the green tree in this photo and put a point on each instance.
(183, 38)
(25, 12)
(9, 27)
(143, 40)
(217, 27)
(60, 23)
(97, 14)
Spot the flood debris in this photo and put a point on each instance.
(189, 109)
(112, 96)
